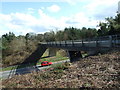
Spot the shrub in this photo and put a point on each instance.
(58, 68)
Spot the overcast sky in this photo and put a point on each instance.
(40, 16)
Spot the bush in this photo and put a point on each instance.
(60, 67)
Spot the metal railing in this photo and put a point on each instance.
(105, 41)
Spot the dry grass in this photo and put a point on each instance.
(15, 59)
(102, 71)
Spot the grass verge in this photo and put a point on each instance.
(51, 59)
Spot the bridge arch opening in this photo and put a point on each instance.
(74, 55)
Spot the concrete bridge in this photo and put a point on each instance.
(74, 47)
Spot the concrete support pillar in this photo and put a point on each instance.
(74, 55)
(52, 52)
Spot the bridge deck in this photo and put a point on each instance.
(87, 44)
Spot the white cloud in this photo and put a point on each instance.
(30, 10)
(73, 2)
(42, 8)
(101, 8)
(80, 20)
(53, 8)
(16, 22)
(47, 20)
(119, 7)
(98, 9)
(22, 23)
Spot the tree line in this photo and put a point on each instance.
(16, 48)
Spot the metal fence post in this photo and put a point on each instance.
(65, 43)
(72, 43)
(110, 41)
(115, 41)
(60, 43)
(82, 43)
(96, 42)
(55, 43)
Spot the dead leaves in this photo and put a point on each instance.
(100, 71)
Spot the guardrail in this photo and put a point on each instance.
(105, 41)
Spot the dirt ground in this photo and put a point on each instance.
(100, 71)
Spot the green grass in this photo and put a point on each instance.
(51, 59)
(84, 55)
(14, 67)
(9, 68)
(60, 67)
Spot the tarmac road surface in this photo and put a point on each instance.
(11, 73)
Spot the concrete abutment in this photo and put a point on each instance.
(52, 52)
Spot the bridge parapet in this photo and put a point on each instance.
(99, 42)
